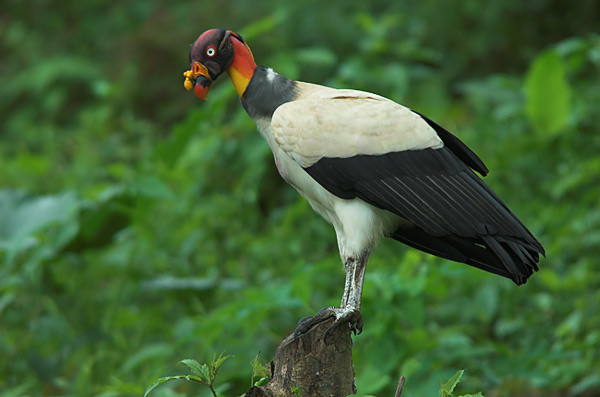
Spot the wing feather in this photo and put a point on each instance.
(356, 144)
(452, 209)
(345, 126)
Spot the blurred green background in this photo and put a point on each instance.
(140, 226)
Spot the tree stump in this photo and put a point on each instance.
(309, 367)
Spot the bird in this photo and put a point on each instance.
(373, 169)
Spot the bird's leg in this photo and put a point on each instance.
(351, 298)
(349, 311)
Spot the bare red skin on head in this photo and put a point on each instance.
(241, 68)
(209, 32)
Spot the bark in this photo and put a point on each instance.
(309, 367)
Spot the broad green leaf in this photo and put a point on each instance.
(23, 215)
(196, 367)
(45, 222)
(152, 187)
(548, 93)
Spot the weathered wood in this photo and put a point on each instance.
(400, 386)
(309, 367)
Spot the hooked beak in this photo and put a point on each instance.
(199, 79)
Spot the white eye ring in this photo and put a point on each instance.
(210, 51)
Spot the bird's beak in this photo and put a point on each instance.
(199, 79)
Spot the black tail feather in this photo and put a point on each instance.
(504, 256)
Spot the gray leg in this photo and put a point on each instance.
(355, 277)
(349, 311)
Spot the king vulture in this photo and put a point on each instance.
(372, 168)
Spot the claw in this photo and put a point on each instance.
(357, 327)
(306, 323)
(349, 316)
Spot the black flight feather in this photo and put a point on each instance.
(457, 146)
(455, 214)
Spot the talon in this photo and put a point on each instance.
(352, 317)
(306, 323)
(359, 325)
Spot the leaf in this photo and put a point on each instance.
(21, 390)
(205, 375)
(448, 387)
(23, 215)
(472, 395)
(259, 369)
(148, 353)
(548, 92)
(215, 365)
(296, 390)
(217, 362)
(160, 381)
(261, 382)
(200, 370)
(170, 283)
(264, 25)
(44, 223)
(151, 186)
(590, 382)
(317, 56)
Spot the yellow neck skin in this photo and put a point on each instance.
(240, 81)
(242, 67)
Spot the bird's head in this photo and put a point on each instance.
(216, 51)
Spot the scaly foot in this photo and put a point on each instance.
(350, 316)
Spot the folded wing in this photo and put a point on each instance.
(369, 147)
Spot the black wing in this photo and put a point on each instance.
(456, 215)
(457, 146)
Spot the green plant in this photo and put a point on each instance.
(260, 372)
(139, 225)
(446, 389)
(201, 373)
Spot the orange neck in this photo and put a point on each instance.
(242, 67)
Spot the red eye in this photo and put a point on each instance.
(210, 52)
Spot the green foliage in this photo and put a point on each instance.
(201, 373)
(260, 372)
(447, 388)
(548, 93)
(139, 225)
